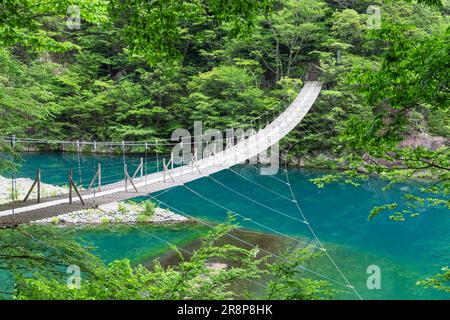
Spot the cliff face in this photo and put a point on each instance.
(424, 140)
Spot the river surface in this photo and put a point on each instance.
(404, 251)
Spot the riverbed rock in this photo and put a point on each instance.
(115, 213)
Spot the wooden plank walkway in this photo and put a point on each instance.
(252, 146)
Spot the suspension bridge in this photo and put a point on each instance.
(235, 152)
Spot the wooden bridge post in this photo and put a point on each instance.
(125, 177)
(157, 155)
(128, 178)
(194, 160)
(99, 177)
(139, 169)
(146, 166)
(181, 169)
(39, 186)
(164, 170)
(36, 182)
(215, 152)
(70, 186)
(229, 143)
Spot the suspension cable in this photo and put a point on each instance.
(79, 163)
(183, 249)
(255, 201)
(246, 242)
(13, 173)
(94, 148)
(322, 247)
(244, 217)
(135, 143)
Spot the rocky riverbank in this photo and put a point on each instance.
(23, 185)
(117, 213)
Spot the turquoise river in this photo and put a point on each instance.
(405, 252)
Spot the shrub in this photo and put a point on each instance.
(149, 208)
(143, 218)
(122, 208)
(104, 220)
(54, 220)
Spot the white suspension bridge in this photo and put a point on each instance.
(236, 152)
(130, 187)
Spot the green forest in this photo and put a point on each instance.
(92, 83)
(137, 70)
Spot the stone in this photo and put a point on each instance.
(109, 214)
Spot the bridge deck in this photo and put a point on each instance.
(29, 211)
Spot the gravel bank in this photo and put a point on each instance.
(117, 213)
(23, 185)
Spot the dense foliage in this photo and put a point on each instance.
(38, 257)
(136, 72)
(95, 82)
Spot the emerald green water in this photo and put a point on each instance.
(405, 251)
(140, 244)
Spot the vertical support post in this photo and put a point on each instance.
(146, 166)
(194, 162)
(193, 159)
(182, 160)
(157, 155)
(125, 176)
(13, 180)
(131, 181)
(164, 170)
(182, 152)
(36, 182)
(171, 160)
(142, 168)
(70, 186)
(214, 156)
(99, 177)
(39, 186)
(79, 161)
